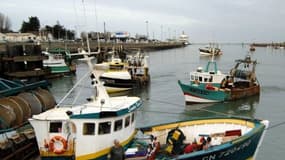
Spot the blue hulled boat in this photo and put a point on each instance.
(208, 139)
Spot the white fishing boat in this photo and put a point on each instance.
(86, 131)
(184, 38)
(210, 50)
(117, 78)
(122, 76)
(55, 62)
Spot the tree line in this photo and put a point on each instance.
(33, 25)
(57, 31)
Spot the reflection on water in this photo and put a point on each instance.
(244, 107)
(207, 58)
(163, 100)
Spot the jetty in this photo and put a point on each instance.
(73, 46)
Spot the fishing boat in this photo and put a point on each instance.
(122, 76)
(200, 79)
(240, 83)
(184, 38)
(210, 50)
(57, 61)
(229, 138)
(86, 131)
(251, 48)
(117, 78)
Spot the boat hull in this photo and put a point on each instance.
(243, 147)
(198, 94)
(100, 155)
(207, 52)
(237, 93)
(116, 89)
(114, 85)
(59, 69)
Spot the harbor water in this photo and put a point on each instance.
(164, 101)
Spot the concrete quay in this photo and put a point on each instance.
(73, 46)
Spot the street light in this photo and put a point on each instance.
(161, 30)
(147, 29)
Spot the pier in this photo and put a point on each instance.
(73, 46)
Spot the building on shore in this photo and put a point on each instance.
(20, 37)
(2, 37)
(184, 38)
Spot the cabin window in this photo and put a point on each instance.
(205, 79)
(89, 129)
(104, 128)
(127, 121)
(192, 77)
(133, 117)
(118, 125)
(55, 127)
(200, 79)
(211, 79)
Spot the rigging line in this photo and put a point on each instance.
(96, 17)
(84, 11)
(206, 110)
(211, 111)
(164, 102)
(276, 125)
(76, 17)
(160, 112)
(77, 96)
(68, 93)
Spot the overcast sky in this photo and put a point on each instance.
(201, 20)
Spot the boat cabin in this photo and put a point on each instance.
(210, 75)
(68, 129)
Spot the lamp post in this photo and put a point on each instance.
(146, 22)
(161, 30)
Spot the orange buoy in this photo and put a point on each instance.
(58, 144)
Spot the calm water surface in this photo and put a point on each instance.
(164, 101)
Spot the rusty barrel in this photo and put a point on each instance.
(34, 102)
(16, 108)
(27, 112)
(7, 116)
(45, 97)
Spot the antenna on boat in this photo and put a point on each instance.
(213, 56)
(96, 25)
(101, 96)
